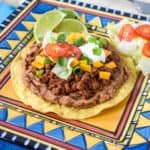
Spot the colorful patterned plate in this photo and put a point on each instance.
(126, 125)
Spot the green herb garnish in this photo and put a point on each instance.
(97, 51)
(78, 42)
(47, 61)
(39, 72)
(103, 41)
(84, 57)
(61, 38)
(77, 70)
(62, 61)
(92, 39)
(100, 45)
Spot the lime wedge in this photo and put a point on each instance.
(71, 25)
(69, 13)
(46, 23)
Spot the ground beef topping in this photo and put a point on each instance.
(81, 91)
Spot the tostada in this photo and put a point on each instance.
(72, 73)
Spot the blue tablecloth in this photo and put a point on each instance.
(6, 10)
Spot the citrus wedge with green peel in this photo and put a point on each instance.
(69, 13)
(70, 25)
(47, 23)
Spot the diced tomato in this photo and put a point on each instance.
(146, 49)
(64, 48)
(143, 31)
(56, 50)
(126, 32)
(76, 52)
(52, 50)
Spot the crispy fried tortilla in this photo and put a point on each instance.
(37, 103)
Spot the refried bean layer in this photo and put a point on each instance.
(80, 91)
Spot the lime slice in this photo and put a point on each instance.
(71, 25)
(47, 23)
(70, 13)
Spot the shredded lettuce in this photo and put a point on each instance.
(63, 72)
(50, 37)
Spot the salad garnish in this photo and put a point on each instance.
(132, 39)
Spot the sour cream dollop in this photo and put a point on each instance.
(87, 49)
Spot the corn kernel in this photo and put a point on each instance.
(97, 64)
(74, 36)
(87, 68)
(39, 62)
(107, 52)
(40, 59)
(37, 65)
(75, 62)
(111, 65)
(84, 62)
(104, 75)
(43, 53)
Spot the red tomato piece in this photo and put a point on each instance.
(143, 31)
(76, 51)
(126, 32)
(64, 48)
(52, 50)
(146, 49)
(56, 50)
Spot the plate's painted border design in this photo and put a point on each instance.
(14, 14)
(131, 129)
(116, 135)
(95, 132)
(107, 9)
(136, 125)
(11, 137)
(10, 18)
